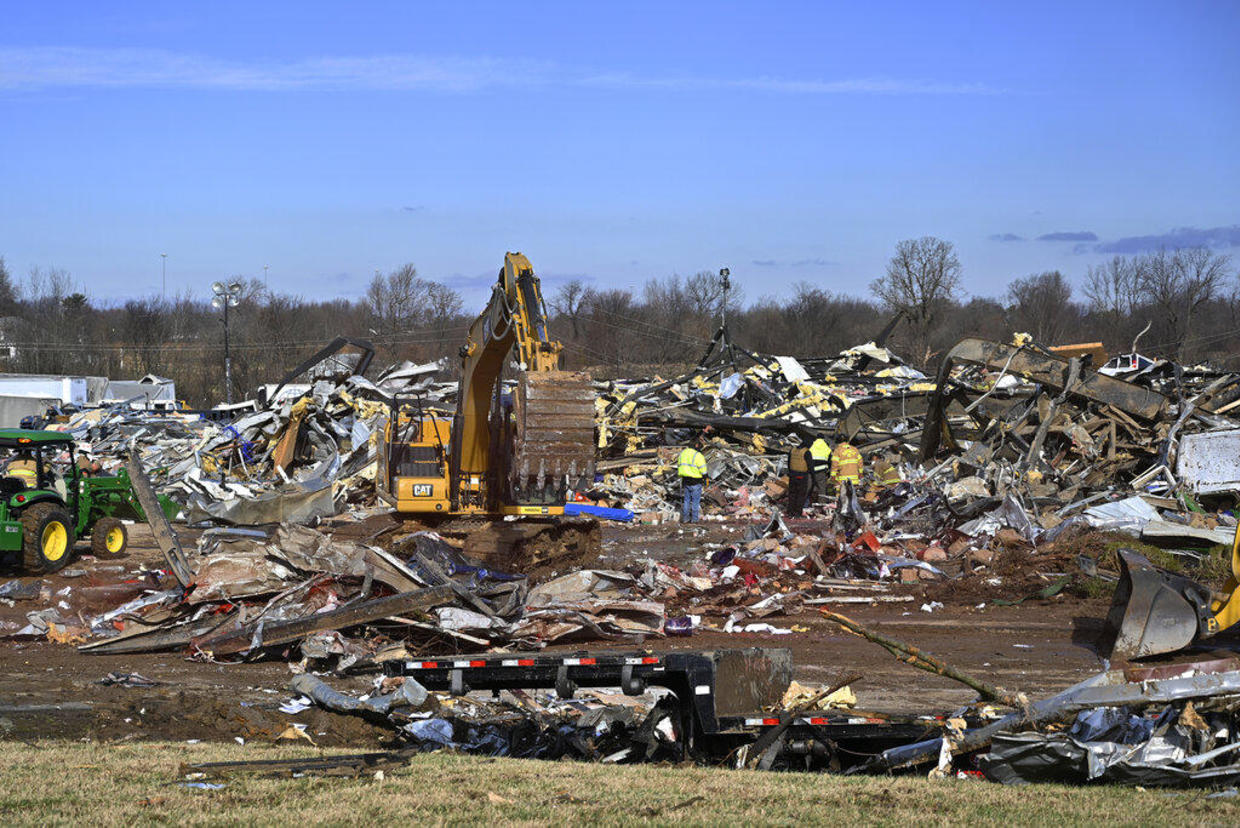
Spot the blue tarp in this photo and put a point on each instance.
(598, 511)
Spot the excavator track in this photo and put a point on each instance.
(537, 547)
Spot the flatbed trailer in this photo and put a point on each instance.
(722, 700)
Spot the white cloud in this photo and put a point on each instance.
(65, 66)
(36, 68)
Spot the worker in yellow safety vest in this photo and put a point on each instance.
(691, 467)
(24, 468)
(820, 466)
(845, 464)
(887, 472)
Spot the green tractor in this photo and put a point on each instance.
(47, 501)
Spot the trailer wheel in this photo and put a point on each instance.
(109, 538)
(47, 538)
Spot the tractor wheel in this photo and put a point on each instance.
(47, 538)
(109, 538)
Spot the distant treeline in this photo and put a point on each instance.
(1189, 299)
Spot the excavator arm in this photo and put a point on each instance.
(537, 445)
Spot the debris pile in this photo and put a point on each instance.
(593, 726)
(752, 417)
(295, 591)
(298, 459)
(1010, 448)
(1167, 726)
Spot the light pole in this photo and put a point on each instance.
(226, 296)
(724, 273)
(164, 271)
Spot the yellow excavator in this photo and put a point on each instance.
(523, 451)
(1154, 611)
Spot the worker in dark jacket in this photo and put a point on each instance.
(799, 460)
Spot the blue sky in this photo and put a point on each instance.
(788, 141)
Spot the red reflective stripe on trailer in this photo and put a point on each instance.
(477, 664)
(427, 665)
(525, 662)
(589, 661)
(575, 662)
(817, 720)
(770, 721)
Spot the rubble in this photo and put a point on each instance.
(1019, 472)
(299, 459)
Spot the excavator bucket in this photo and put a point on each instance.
(1154, 611)
(553, 440)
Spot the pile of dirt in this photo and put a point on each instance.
(1020, 572)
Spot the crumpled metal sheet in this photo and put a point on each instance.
(581, 585)
(296, 506)
(409, 695)
(237, 569)
(312, 551)
(1111, 746)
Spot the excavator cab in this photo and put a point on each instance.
(413, 468)
(1154, 611)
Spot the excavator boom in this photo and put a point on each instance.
(519, 453)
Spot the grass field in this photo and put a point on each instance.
(59, 782)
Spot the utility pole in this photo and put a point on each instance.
(265, 278)
(724, 273)
(164, 268)
(226, 296)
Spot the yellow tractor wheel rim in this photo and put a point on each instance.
(55, 541)
(115, 539)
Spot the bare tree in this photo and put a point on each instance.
(922, 277)
(610, 337)
(1112, 292)
(1042, 305)
(442, 304)
(1112, 287)
(393, 300)
(567, 302)
(705, 292)
(1178, 284)
(145, 327)
(8, 292)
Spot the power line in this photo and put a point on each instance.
(683, 338)
(653, 325)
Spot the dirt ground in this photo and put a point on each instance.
(1038, 647)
